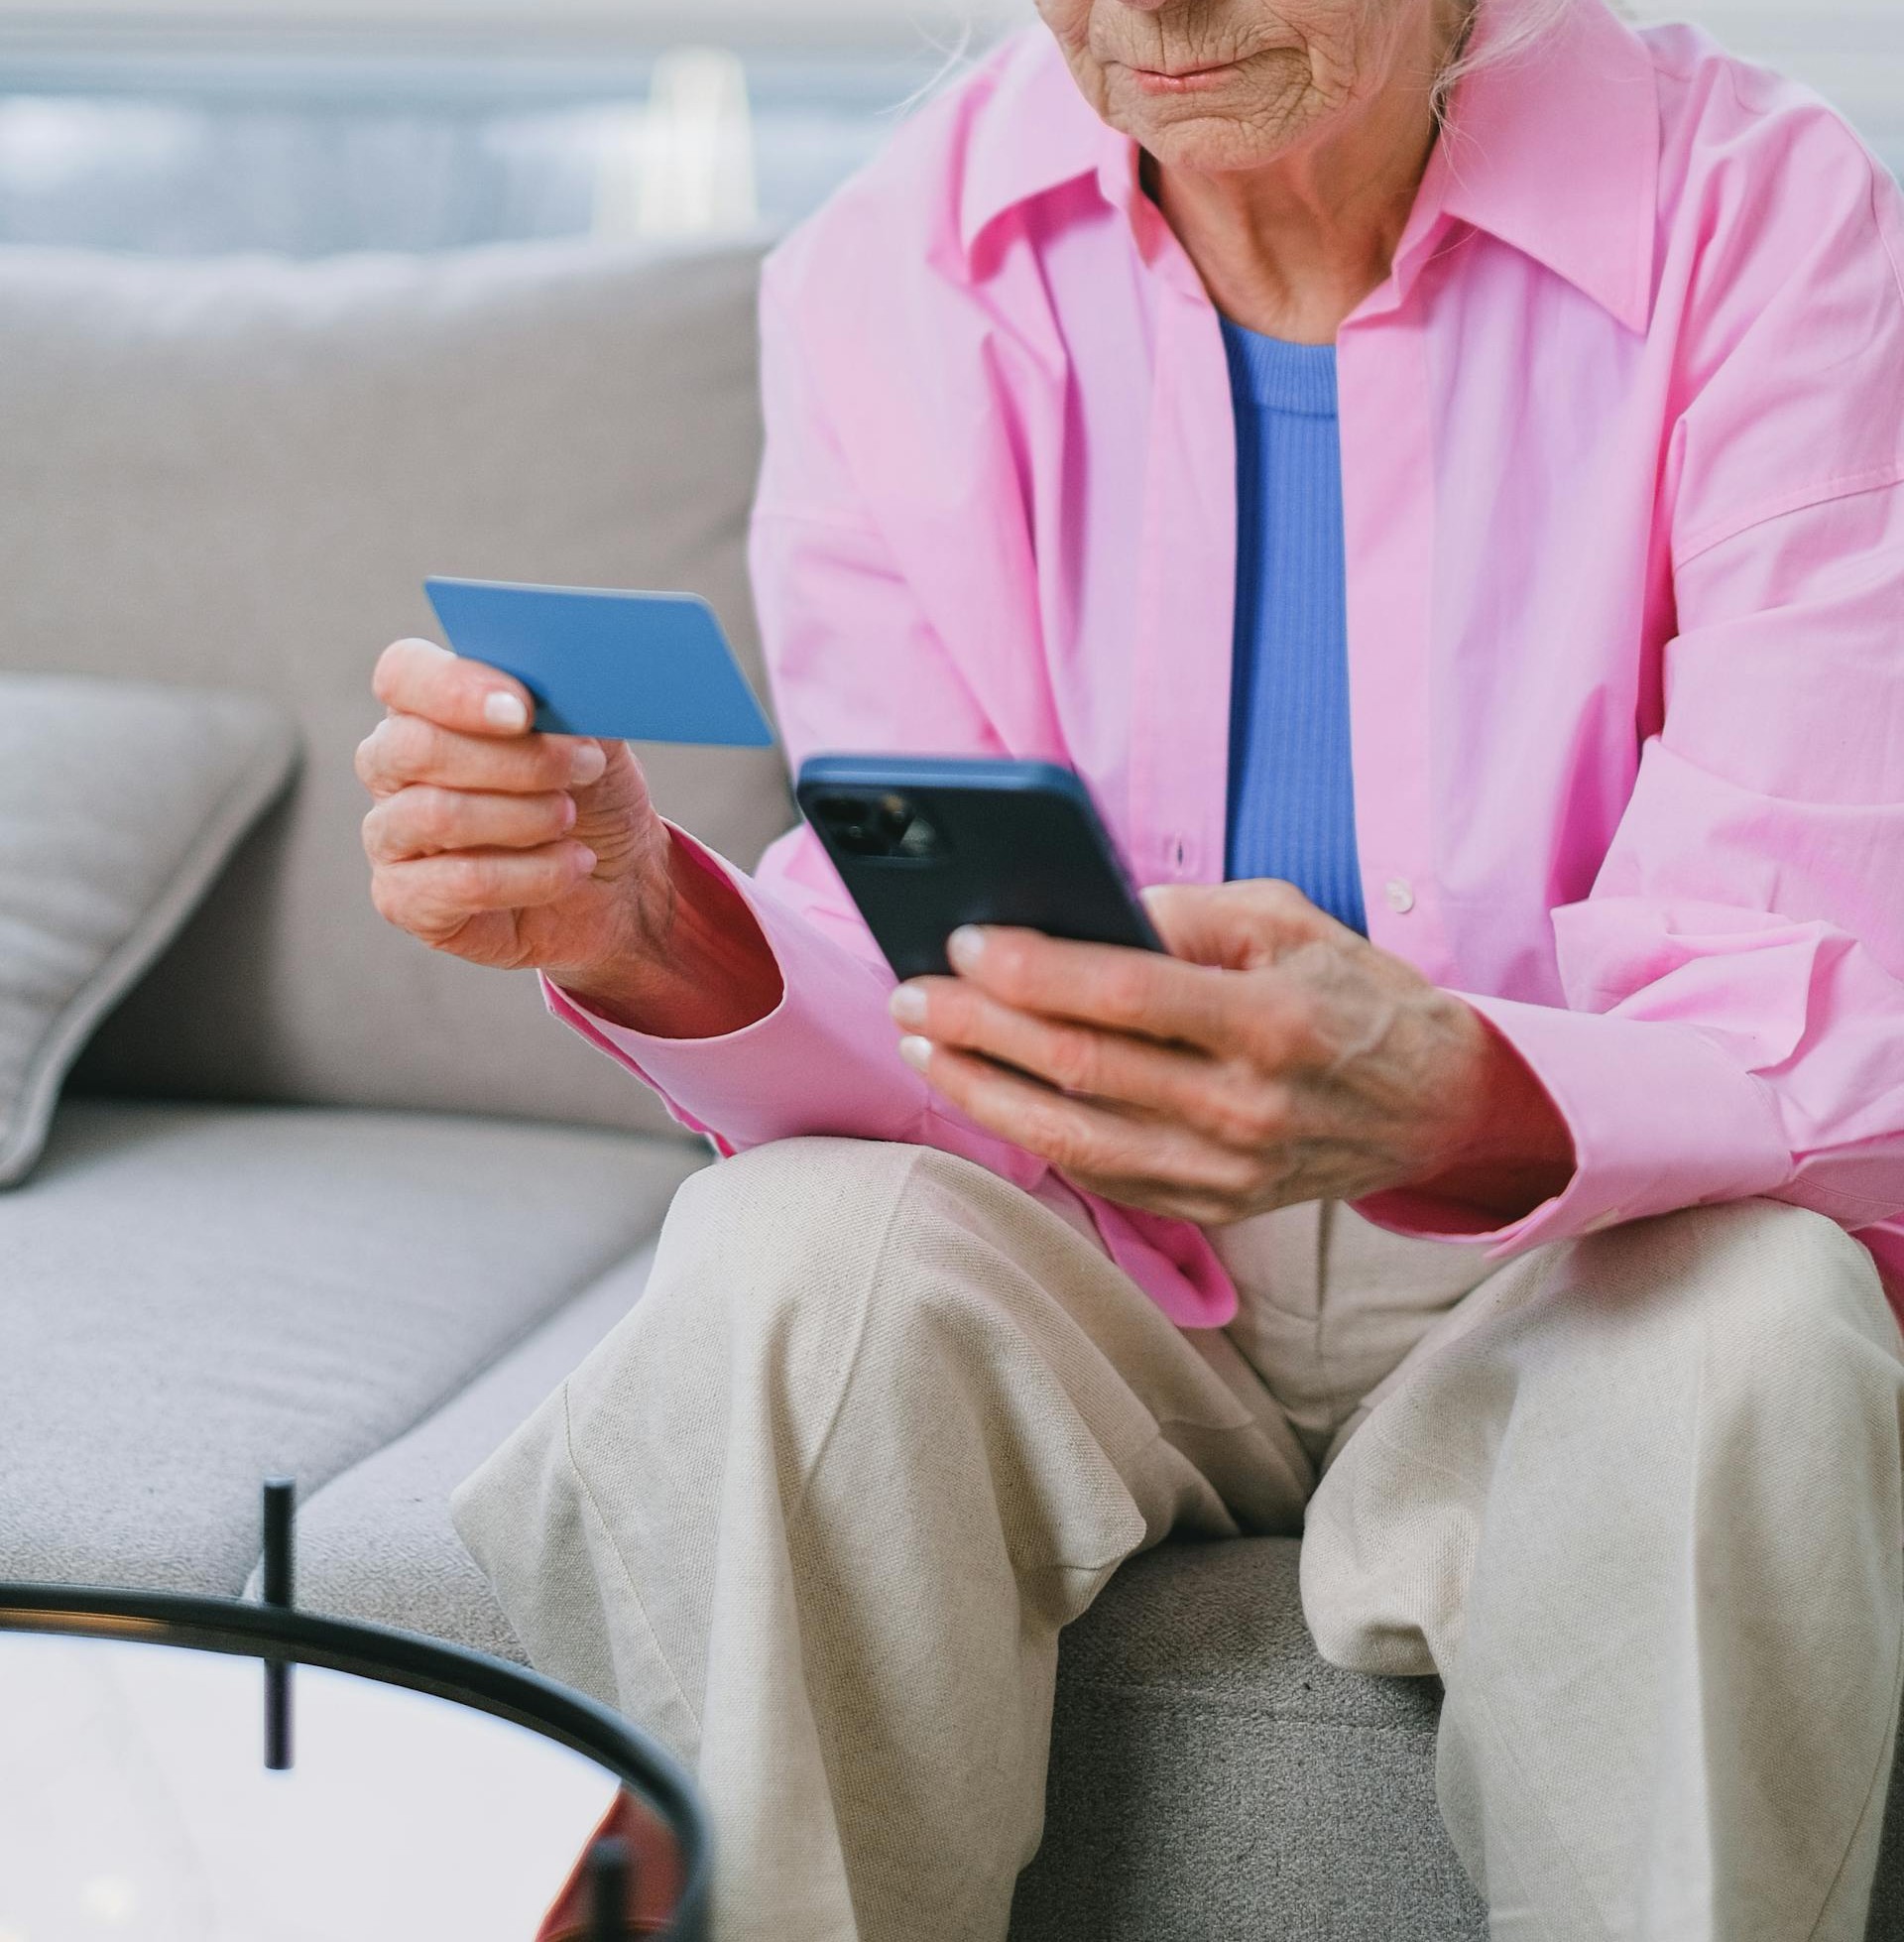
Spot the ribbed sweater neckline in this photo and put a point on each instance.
(1280, 376)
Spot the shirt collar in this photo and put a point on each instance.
(1555, 151)
(1035, 133)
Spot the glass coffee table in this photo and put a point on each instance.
(177, 1769)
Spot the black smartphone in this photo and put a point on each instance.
(925, 844)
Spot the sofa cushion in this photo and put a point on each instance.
(119, 805)
(239, 471)
(1212, 1778)
(375, 1543)
(194, 1297)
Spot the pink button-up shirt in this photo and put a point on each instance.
(1623, 471)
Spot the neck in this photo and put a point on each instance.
(1293, 247)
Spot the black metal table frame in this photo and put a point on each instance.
(395, 1658)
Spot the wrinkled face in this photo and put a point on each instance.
(1228, 85)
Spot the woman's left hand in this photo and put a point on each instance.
(1275, 1057)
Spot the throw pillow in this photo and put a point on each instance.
(119, 805)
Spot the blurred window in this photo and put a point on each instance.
(694, 143)
(313, 126)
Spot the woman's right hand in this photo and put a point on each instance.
(512, 849)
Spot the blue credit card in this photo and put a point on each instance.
(621, 667)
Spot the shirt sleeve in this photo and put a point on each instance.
(855, 665)
(1734, 982)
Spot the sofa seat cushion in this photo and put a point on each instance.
(375, 1543)
(191, 1298)
(1213, 1777)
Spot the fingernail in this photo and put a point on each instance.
(588, 859)
(570, 812)
(586, 764)
(907, 1005)
(505, 711)
(965, 946)
(917, 1053)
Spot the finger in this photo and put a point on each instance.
(426, 821)
(1084, 1138)
(436, 893)
(1240, 927)
(1138, 992)
(1230, 1101)
(404, 749)
(1074, 1058)
(418, 677)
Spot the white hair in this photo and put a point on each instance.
(1521, 26)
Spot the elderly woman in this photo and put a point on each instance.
(1439, 475)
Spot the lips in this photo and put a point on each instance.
(1186, 73)
(1184, 80)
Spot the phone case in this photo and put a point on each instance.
(949, 842)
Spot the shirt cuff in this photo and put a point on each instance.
(1661, 1118)
(825, 1060)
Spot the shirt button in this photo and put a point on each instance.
(1400, 894)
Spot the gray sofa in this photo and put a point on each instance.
(319, 1202)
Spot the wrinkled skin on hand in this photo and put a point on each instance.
(1275, 1057)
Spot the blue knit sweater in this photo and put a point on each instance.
(1293, 801)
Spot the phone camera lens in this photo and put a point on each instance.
(890, 826)
(854, 824)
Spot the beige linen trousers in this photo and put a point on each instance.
(817, 1512)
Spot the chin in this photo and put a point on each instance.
(1214, 136)
(1207, 144)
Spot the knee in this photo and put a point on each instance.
(791, 1252)
(1779, 1269)
(757, 1299)
(799, 1224)
(793, 1198)
(815, 1293)
(1786, 1308)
